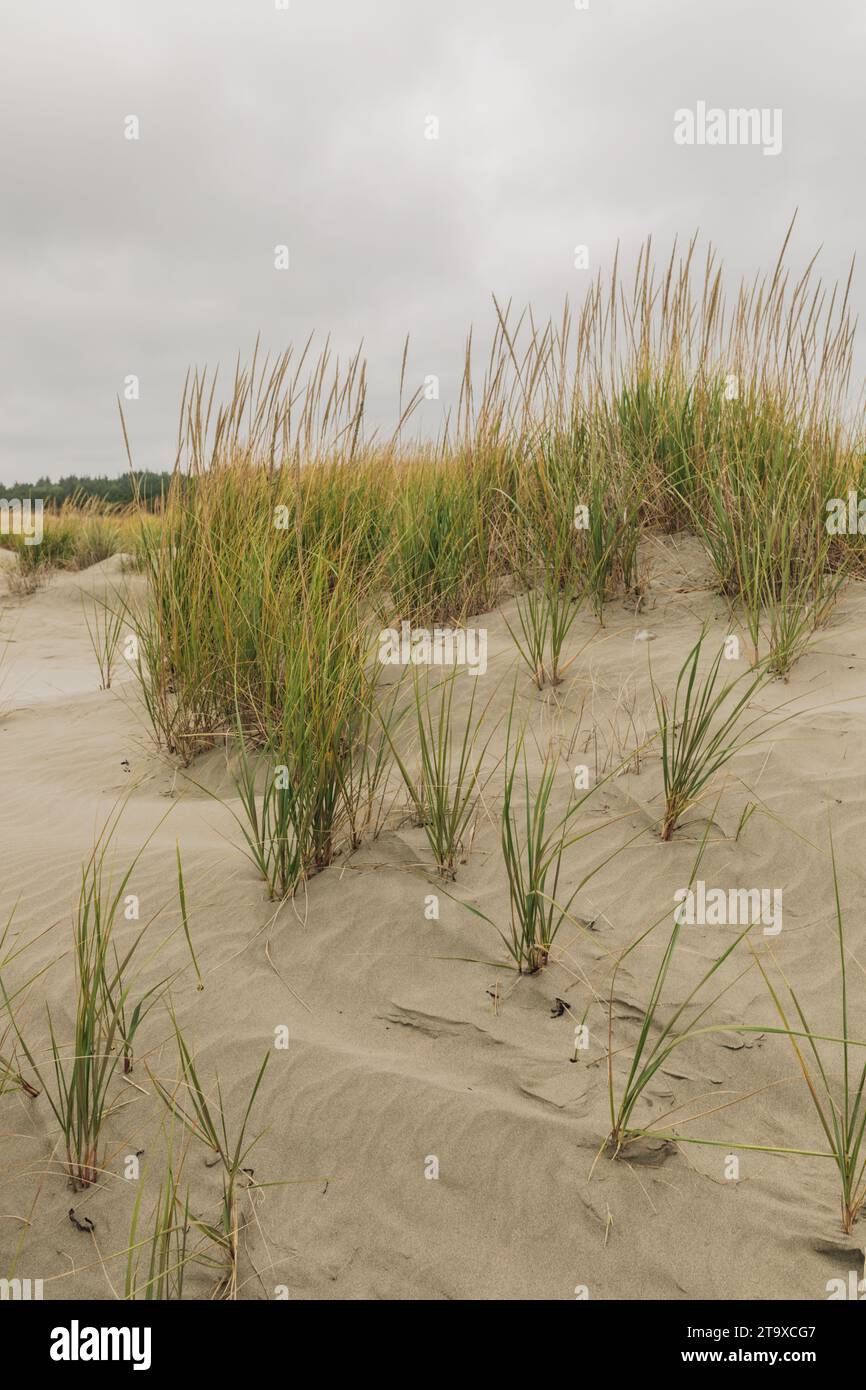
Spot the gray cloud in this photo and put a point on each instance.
(306, 127)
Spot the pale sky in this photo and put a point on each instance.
(306, 127)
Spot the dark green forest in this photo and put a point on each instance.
(144, 487)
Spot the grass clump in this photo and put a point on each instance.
(698, 730)
(658, 405)
(206, 1122)
(841, 1109)
(446, 790)
(534, 837)
(760, 516)
(658, 1036)
(78, 1081)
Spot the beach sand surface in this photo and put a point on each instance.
(427, 1133)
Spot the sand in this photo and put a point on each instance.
(408, 1042)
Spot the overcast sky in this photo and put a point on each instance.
(306, 127)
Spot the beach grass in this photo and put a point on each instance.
(292, 534)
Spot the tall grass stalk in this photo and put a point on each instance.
(104, 629)
(156, 1264)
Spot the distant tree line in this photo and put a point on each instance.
(146, 487)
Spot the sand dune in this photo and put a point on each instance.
(407, 1041)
